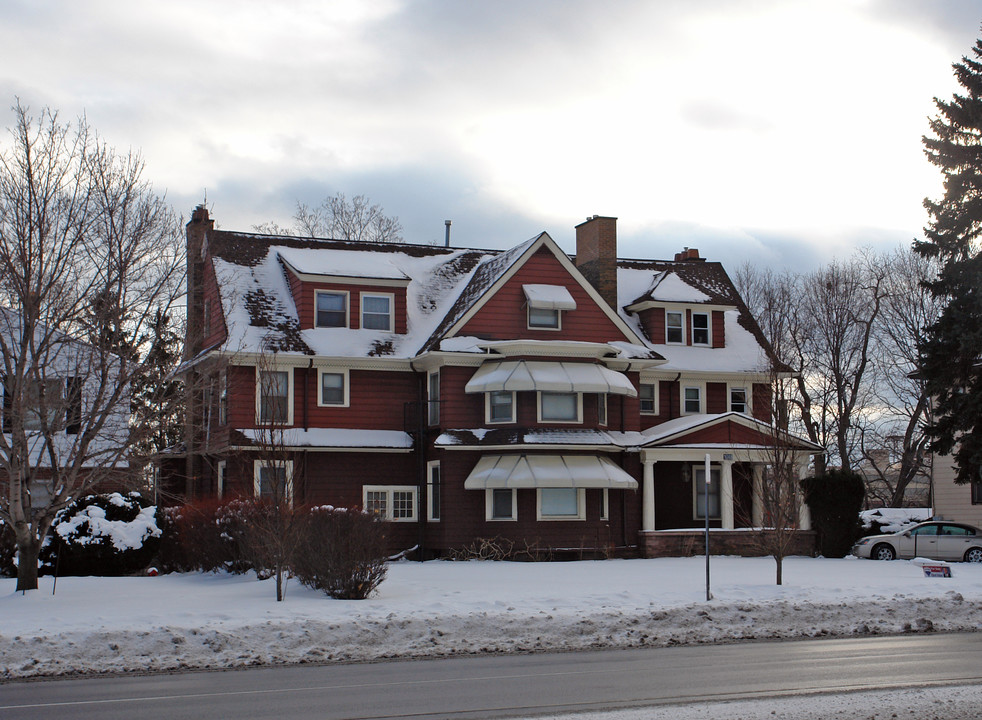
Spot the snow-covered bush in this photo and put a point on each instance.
(890, 520)
(8, 549)
(110, 534)
(341, 552)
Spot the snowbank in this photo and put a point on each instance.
(894, 519)
(444, 608)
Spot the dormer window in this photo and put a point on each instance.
(545, 303)
(700, 328)
(673, 327)
(376, 311)
(332, 309)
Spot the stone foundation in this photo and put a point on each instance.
(683, 543)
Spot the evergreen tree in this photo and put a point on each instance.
(951, 349)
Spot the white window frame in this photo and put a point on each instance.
(709, 329)
(347, 307)
(223, 399)
(489, 506)
(580, 506)
(289, 395)
(430, 467)
(321, 372)
(730, 387)
(488, 420)
(714, 470)
(257, 466)
(701, 387)
(681, 314)
(602, 409)
(605, 504)
(579, 409)
(433, 403)
(220, 482)
(392, 310)
(654, 395)
(389, 490)
(530, 326)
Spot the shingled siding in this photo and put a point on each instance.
(463, 515)
(304, 293)
(504, 316)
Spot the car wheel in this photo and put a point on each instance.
(883, 552)
(974, 555)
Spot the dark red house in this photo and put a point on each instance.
(564, 403)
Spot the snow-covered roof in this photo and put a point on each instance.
(332, 438)
(340, 263)
(496, 437)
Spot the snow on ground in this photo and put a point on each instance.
(448, 608)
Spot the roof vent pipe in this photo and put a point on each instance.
(447, 223)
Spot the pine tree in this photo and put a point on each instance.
(951, 349)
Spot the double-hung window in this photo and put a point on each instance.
(500, 504)
(692, 400)
(738, 400)
(274, 397)
(332, 309)
(44, 404)
(273, 480)
(333, 388)
(376, 311)
(560, 407)
(674, 332)
(390, 502)
(700, 328)
(501, 406)
(648, 395)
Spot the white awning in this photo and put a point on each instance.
(523, 375)
(549, 471)
(549, 297)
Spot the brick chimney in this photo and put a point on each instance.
(596, 255)
(689, 254)
(197, 232)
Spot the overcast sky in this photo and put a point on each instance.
(777, 132)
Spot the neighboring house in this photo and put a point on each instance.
(561, 403)
(957, 502)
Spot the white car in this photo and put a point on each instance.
(936, 540)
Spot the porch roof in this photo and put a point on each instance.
(549, 471)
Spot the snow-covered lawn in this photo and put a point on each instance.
(445, 608)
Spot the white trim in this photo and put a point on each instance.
(289, 395)
(327, 278)
(579, 409)
(220, 478)
(580, 506)
(602, 418)
(430, 466)
(433, 416)
(747, 389)
(346, 387)
(389, 490)
(489, 505)
(709, 328)
(689, 385)
(347, 307)
(488, 420)
(392, 310)
(605, 504)
(681, 327)
(257, 466)
(655, 398)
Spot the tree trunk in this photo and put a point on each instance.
(28, 549)
(779, 577)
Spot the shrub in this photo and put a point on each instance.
(341, 552)
(207, 535)
(835, 500)
(109, 534)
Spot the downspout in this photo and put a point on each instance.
(674, 401)
(306, 396)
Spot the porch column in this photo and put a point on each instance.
(757, 500)
(726, 495)
(648, 496)
(804, 513)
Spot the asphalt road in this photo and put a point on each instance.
(510, 685)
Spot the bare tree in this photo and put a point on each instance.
(89, 257)
(357, 219)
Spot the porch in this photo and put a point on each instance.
(745, 542)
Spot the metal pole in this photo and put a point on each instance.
(705, 512)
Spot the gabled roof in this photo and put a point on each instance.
(691, 430)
